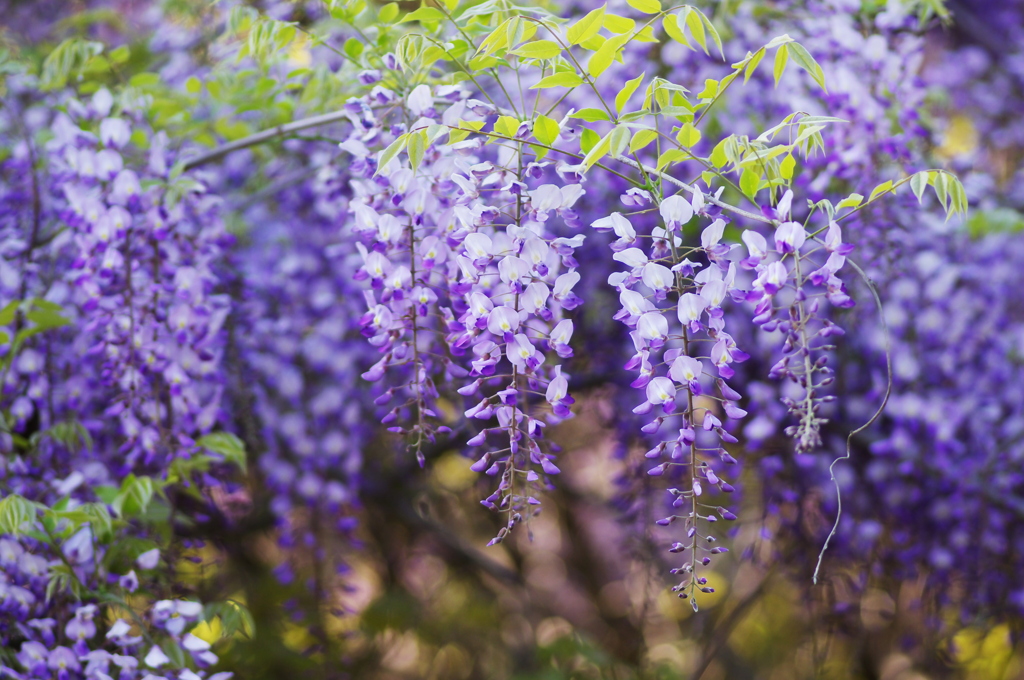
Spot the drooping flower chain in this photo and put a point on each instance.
(468, 282)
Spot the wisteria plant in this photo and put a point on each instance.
(500, 180)
(467, 224)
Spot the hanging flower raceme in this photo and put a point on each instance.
(673, 308)
(143, 278)
(788, 298)
(468, 285)
(300, 349)
(128, 391)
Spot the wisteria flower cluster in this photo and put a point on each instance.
(112, 343)
(505, 289)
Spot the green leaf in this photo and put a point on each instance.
(589, 115)
(918, 184)
(545, 130)
(182, 469)
(950, 192)
(825, 205)
(995, 221)
(618, 139)
(781, 58)
(599, 151)
(144, 80)
(9, 311)
(465, 128)
(563, 79)
(963, 203)
(711, 89)
(457, 49)
(688, 135)
(539, 49)
(604, 57)
(617, 24)
(409, 50)
(671, 25)
(941, 183)
(417, 148)
(588, 140)
(134, 496)
(120, 55)
(234, 617)
(42, 303)
(879, 190)
(424, 14)
(696, 26)
(778, 40)
(613, 143)
(851, 201)
(593, 43)
(506, 126)
(645, 6)
(646, 33)
(712, 31)
(94, 514)
(71, 434)
(267, 37)
(241, 18)
(352, 48)
(456, 136)
(67, 59)
(633, 116)
(174, 652)
(520, 31)
(388, 13)
(641, 139)
(807, 132)
(671, 156)
(106, 493)
(45, 319)
(505, 36)
(805, 61)
(750, 181)
(15, 512)
(753, 61)
(663, 93)
(627, 91)
(587, 27)
(390, 152)
(61, 579)
(483, 62)
(227, 445)
(787, 166)
(718, 157)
